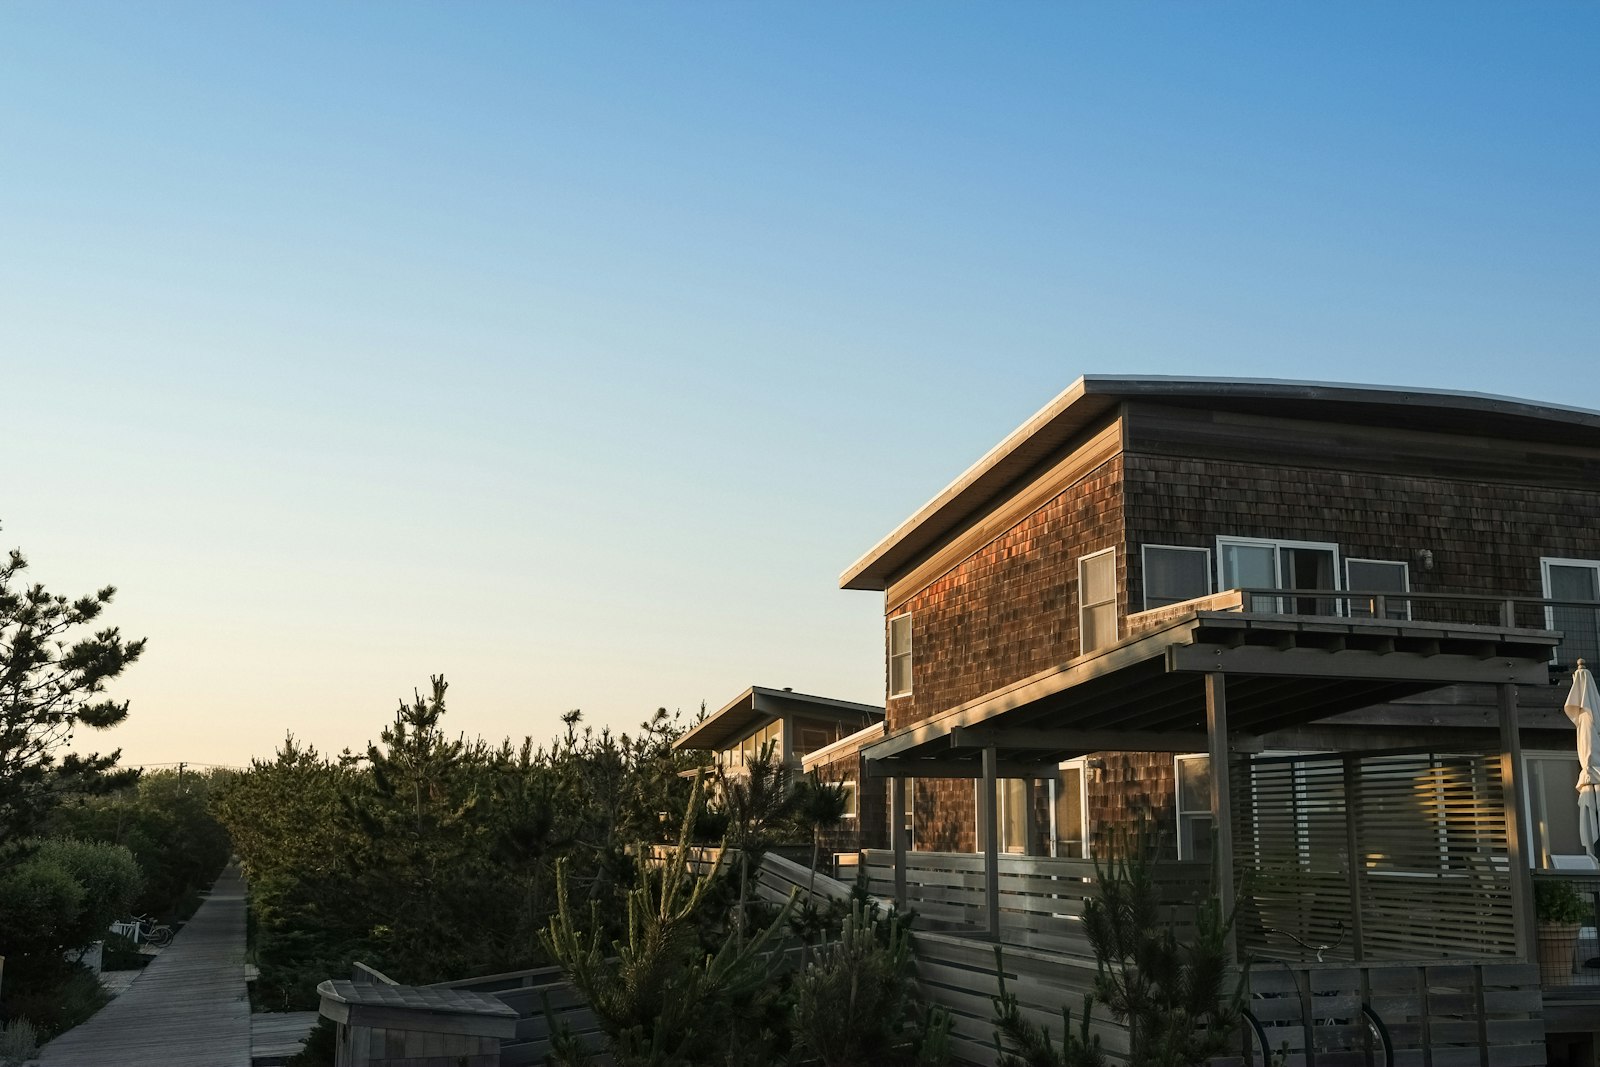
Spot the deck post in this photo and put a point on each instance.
(1516, 838)
(1355, 860)
(898, 835)
(989, 827)
(1221, 808)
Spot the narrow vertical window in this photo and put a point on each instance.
(900, 656)
(1194, 807)
(1097, 600)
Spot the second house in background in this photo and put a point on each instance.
(802, 731)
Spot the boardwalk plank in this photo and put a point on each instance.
(188, 1009)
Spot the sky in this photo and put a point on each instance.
(571, 351)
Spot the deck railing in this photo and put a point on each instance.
(1041, 898)
(1577, 620)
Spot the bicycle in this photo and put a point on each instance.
(144, 928)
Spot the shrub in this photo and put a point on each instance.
(19, 1040)
(121, 954)
(1560, 903)
(54, 994)
(856, 1003)
(108, 876)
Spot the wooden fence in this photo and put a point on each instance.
(1431, 1014)
(1041, 899)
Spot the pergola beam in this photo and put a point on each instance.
(1444, 669)
(929, 768)
(1080, 741)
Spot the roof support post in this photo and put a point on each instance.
(1356, 860)
(1221, 806)
(989, 826)
(898, 834)
(1516, 839)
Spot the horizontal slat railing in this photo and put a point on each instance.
(960, 975)
(1434, 1015)
(1041, 898)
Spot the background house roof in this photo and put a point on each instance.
(758, 705)
(1087, 400)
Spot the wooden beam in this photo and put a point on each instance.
(932, 768)
(898, 836)
(1362, 738)
(1221, 806)
(1355, 857)
(1068, 739)
(989, 822)
(1516, 836)
(1443, 669)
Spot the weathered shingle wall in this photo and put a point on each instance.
(1010, 609)
(1483, 537)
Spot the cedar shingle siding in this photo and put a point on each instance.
(1010, 609)
(1484, 537)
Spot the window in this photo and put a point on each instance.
(1573, 580)
(1551, 780)
(1069, 834)
(1254, 563)
(812, 734)
(1097, 600)
(1194, 807)
(852, 798)
(911, 810)
(751, 748)
(900, 655)
(1378, 576)
(1173, 574)
(1012, 794)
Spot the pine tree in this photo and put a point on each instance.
(51, 683)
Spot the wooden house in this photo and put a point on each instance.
(1312, 636)
(801, 732)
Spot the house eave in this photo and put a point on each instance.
(1088, 400)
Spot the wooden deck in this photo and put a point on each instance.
(188, 1009)
(276, 1036)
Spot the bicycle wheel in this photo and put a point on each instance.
(1257, 1053)
(160, 937)
(1382, 1047)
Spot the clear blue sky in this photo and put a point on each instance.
(572, 350)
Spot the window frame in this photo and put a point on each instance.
(1405, 568)
(1536, 839)
(1144, 570)
(1003, 787)
(893, 655)
(1185, 854)
(1277, 545)
(852, 789)
(1545, 563)
(1084, 605)
(1081, 765)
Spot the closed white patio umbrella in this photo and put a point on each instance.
(1582, 704)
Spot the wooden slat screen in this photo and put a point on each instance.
(1041, 898)
(1431, 877)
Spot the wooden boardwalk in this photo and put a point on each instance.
(188, 1009)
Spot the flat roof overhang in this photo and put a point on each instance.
(1147, 692)
(1094, 397)
(759, 705)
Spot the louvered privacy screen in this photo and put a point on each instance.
(1431, 877)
